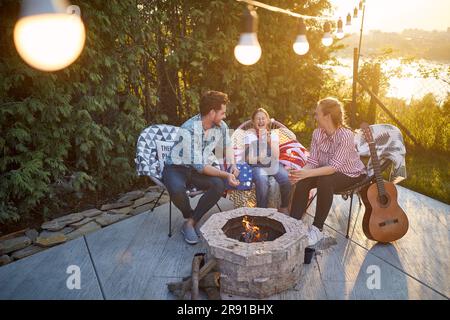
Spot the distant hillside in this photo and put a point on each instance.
(430, 45)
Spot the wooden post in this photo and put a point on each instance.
(372, 112)
(354, 93)
(348, 109)
(390, 114)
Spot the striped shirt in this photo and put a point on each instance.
(337, 151)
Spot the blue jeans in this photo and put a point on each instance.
(178, 179)
(262, 186)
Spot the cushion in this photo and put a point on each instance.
(147, 162)
(163, 149)
(243, 198)
(247, 198)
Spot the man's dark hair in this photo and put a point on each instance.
(212, 100)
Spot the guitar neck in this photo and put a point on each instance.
(377, 169)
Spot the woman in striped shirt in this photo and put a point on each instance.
(333, 165)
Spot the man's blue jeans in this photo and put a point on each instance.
(261, 180)
(178, 179)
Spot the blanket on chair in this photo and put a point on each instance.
(389, 145)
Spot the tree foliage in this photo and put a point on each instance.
(144, 62)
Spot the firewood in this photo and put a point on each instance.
(213, 293)
(195, 276)
(180, 288)
(211, 280)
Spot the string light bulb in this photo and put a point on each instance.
(340, 29)
(327, 40)
(355, 13)
(248, 50)
(349, 20)
(49, 34)
(301, 44)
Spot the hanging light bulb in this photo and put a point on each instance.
(360, 5)
(348, 24)
(248, 50)
(355, 13)
(349, 20)
(340, 29)
(301, 45)
(327, 40)
(48, 36)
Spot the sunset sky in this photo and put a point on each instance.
(396, 15)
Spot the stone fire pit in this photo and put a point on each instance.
(258, 269)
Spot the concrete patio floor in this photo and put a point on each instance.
(135, 259)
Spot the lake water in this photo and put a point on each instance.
(406, 81)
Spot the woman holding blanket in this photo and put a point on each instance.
(262, 153)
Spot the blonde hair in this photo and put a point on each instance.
(260, 110)
(264, 111)
(333, 107)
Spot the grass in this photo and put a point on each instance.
(428, 173)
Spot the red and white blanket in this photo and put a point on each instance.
(293, 154)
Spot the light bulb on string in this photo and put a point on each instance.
(327, 39)
(348, 24)
(340, 29)
(49, 34)
(355, 13)
(301, 44)
(248, 50)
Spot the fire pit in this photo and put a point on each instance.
(259, 251)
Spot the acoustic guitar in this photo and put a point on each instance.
(384, 220)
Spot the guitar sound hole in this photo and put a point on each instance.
(383, 199)
(388, 222)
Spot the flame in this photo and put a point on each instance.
(251, 233)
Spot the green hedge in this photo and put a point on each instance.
(74, 131)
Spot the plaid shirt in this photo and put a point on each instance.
(337, 151)
(201, 144)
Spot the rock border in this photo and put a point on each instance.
(24, 243)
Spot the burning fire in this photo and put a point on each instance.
(251, 233)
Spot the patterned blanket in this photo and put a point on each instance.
(293, 154)
(389, 145)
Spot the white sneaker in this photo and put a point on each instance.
(314, 235)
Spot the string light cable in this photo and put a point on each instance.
(248, 50)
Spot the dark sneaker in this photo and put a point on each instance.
(190, 236)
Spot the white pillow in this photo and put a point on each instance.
(163, 148)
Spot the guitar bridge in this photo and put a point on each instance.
(388, 222)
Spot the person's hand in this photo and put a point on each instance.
(235, 171)
(292, 179)
(232, 181)
(289, 169)
(297, 175)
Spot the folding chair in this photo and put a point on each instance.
(148, 162)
